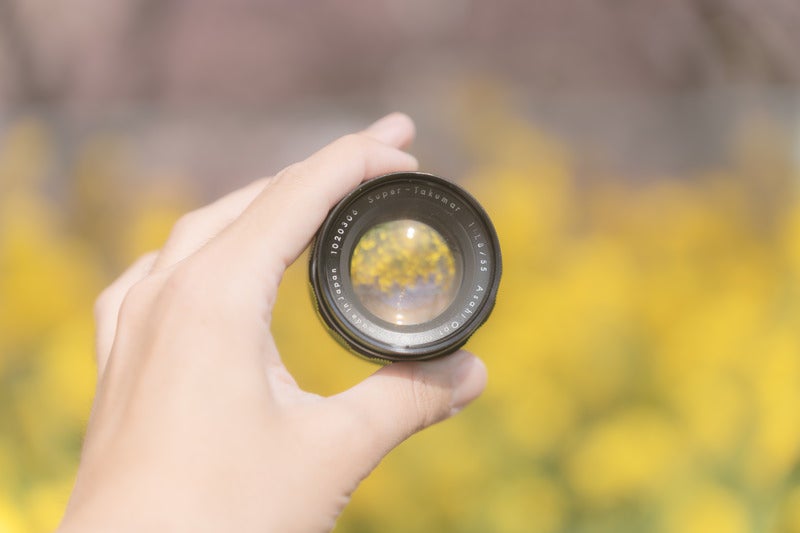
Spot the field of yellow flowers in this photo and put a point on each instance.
(644, 354)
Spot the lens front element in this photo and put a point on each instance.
(404, 272)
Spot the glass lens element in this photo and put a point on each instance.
(404, 272)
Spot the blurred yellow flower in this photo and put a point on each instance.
(526, 504)
(788, 520)
(11, 520)
(630, 456)
(708, 508)
(644, 355)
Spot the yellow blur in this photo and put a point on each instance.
(644, 354)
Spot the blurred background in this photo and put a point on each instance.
(641, 161)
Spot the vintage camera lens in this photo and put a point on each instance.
(406, 267)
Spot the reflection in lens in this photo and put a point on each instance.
(404, 272)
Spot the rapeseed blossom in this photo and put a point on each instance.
(644, 355)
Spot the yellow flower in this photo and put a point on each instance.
(644, 341)
(629, 456)
(11, 520)
(45, 504)
(707, 508)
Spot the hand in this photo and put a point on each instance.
(197, 425)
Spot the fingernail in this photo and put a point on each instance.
(469, 380)
(391, 129)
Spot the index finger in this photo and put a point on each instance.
(278, 225)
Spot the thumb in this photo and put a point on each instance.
(403, 398)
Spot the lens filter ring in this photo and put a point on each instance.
(405, 267)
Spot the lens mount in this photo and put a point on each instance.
(405, 267)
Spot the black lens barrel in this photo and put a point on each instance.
(438, 203)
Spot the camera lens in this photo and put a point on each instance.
(406, 267)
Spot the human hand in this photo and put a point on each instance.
(197, 425)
